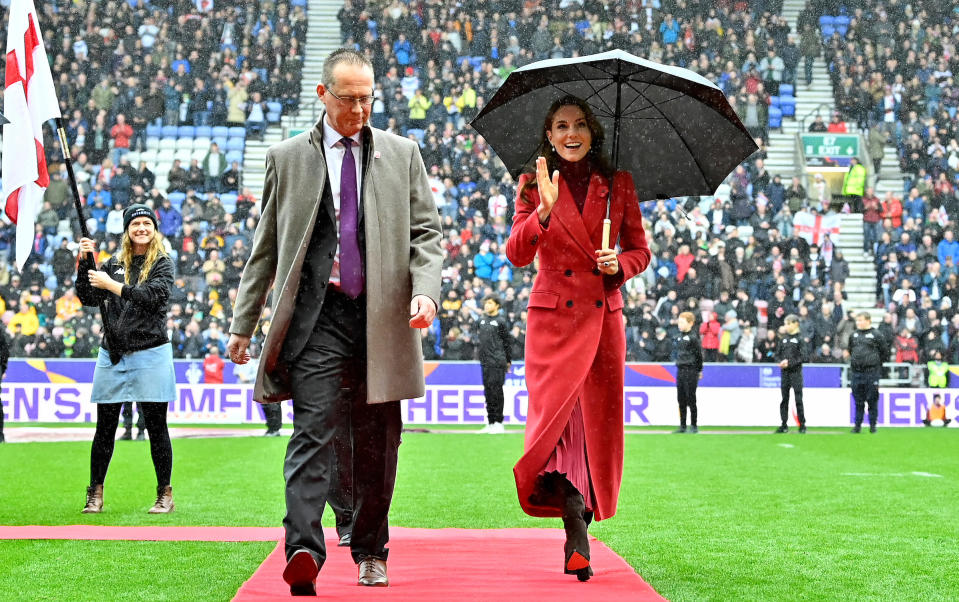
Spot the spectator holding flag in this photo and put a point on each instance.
(136, 357)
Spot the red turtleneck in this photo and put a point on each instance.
(576, 174)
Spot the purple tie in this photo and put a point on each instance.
(351, 263)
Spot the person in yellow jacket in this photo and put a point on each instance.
(854, 185)
(418, 105)
(455, 104)
(938, 371)
(468, 110)
(26, 318)
(236, 98)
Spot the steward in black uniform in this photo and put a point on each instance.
(689, 369)
(495, 351)
(868, 349)
(791, 354)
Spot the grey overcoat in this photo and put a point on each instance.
(403, 257)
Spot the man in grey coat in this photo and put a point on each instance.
(349, 239)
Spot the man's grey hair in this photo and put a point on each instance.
(340, 56)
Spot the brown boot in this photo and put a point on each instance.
(164, 503)
(94, 500)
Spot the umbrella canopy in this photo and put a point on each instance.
(670, 127)
(3, 120)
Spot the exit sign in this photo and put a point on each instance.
(830, 145)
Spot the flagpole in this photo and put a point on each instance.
(84, 232)
(77, 204)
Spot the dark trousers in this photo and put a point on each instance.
(161, 451)
(127, 413)
(494, 376)
(329, 396)
(273, 412)
(871, 232)
(341, 489)
(854, 201)
(687, 379)
(865, 390)
(791, 379)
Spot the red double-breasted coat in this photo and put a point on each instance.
(575, 336)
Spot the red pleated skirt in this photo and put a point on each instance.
(569, 456)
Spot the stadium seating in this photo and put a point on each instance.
(842, 24)
(235, 144)
(775, 118)
(788, 106)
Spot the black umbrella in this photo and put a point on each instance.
(3, 120)
(670, 127)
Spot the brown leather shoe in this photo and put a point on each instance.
(94, 500)
(300, 574)
(164, 503)
(372, 572)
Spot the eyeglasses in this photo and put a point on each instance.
(363, 100)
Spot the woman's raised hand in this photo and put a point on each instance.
(548, 189)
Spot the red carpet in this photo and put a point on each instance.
(463, 564)
(160, 533)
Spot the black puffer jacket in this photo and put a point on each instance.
(136, 320)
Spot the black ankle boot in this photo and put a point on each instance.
(576, 547)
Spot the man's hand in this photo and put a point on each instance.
(422, 311)
(236, 348)
(784, 364)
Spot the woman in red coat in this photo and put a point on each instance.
(575, 342)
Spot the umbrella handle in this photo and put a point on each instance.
(606, 224)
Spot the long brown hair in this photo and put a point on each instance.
(595, 155)
(154, 252)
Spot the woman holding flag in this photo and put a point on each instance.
(136, 358)
(573, 459)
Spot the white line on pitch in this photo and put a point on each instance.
(893, 474)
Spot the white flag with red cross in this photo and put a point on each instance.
(814, 227)
(29, 99)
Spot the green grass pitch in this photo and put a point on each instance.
(822, 516)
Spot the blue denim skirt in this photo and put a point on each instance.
(140, 376)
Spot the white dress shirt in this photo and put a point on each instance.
(334, 151)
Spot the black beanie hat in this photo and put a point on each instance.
(138, 210)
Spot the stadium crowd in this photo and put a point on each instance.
(736, 260)
(892, 73)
